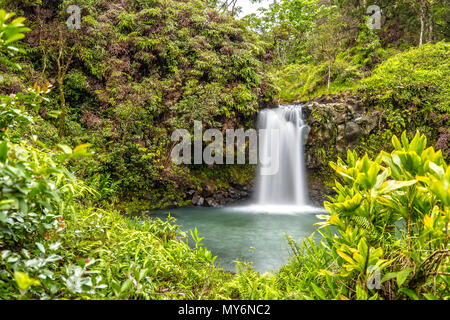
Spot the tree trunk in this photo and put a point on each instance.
(430, 31)
(422, 22)
(232, 8)
(62, 69)
(329, 74)
(60, 80)
(62, 119)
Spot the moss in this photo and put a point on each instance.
(225, 175)
(416, 77)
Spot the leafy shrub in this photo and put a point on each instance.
(140, 71)
(10, 32)
(419, 76)
(37, 191)
(141, 259)
(392, 218)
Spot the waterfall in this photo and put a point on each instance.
(281, 176)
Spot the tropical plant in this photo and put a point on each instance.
(392, 216)
(11, 31)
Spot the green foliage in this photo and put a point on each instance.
(15, 109)
(398, 216)
(140, 71)
(312, 41)
(141, 259)
(10, 32)
(417, 77)
(385, 235)
(286, 26)
(36, 190)
(300, 82)
(54, 246)
(101, 254)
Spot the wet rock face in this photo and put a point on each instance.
(336, 124)
(318, 192)
(217, 198)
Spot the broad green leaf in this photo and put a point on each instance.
(330, 284)
(404, 141)
(402, 276)
(429, 296)
(409, 293)
(65, 148)
(360, 293)
(389, 276)
(126, 284)
(359, 259)
(345, 257)
(24, 281)
(392, 185)
(3, 151)
(320, 292)
(14, 37)
(82, 147)
(40, 247)
(381, 178)
(396, 143)
(362, 247)
(418, 143)
(439, 170)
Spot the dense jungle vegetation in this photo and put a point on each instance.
(87, 114)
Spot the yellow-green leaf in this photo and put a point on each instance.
(24, 281)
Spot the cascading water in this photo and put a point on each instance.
(281, 176)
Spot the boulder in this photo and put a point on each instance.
(195, 199)
(352, 132)
(211, 202)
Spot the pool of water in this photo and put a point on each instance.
(253, 234)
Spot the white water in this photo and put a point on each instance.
(281, 149)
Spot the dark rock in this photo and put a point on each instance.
(208, 191)
(352, 132)
(211, 202)
(218, 196)
(195, 199)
